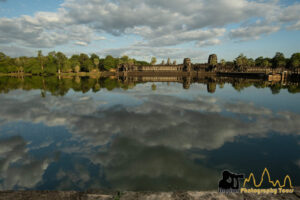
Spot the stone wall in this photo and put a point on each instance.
(159, 68)
(150, 68)
(188, 67)
(159, 79)
(127, 195)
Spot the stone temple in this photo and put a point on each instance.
(185, 67)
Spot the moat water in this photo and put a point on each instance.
(82, 134)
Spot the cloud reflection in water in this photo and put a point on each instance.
(140, 146)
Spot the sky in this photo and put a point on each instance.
(145, 28)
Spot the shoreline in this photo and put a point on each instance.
(129, 195)
(139, 73)
(81, 74)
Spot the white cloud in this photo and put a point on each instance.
(186, 36)
(100, 38)
(157, 23)
(290, 13)
(80, 43)
(163, 53)
(210, 42)
(253, 32)
(295, 26)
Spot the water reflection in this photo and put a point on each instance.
(140, 140)
(18, 168)
(61, 86)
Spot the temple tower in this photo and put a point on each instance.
(212, 60)
(187, 65)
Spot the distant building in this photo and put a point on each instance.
(150, 68)
(187, 66)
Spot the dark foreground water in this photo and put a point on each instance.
(79, 135)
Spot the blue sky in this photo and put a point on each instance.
(146, 28)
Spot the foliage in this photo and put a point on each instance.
(141, 63)
(241, 62)
(278, 60)
(86, 65)
(263, 62)
(295, 61)
(57, 62)
(96, 61)
(60, 87)
(32, 65)
(110, 62)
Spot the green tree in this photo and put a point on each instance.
(4, 63)
(124, 60)
(67, 68)
(263, 62)
(241, 62)
(93, 56)
(259, 61)
(266, 63)
(2, 56)
(75, 64)
(295, 60)
(32, 66)
(279, 60)
(51, 63)
(251, 62)
(131, 61)
(61, 60)
(41, 59)
(96, 61)
(77, 68)
(86, 64)
(18, 64)
(141, 63)
(109, 62)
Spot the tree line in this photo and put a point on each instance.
(278, 61)
(57, 62)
